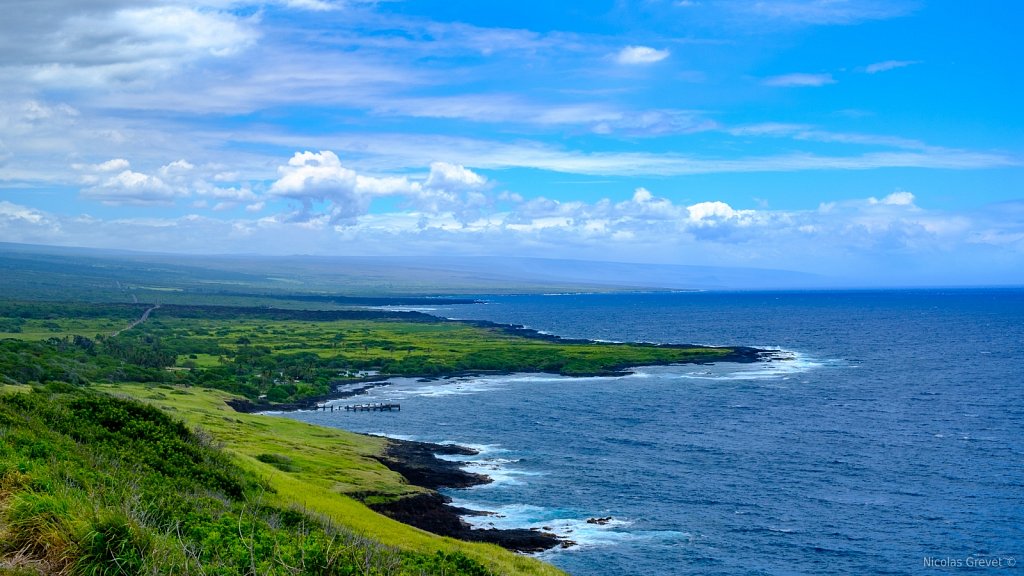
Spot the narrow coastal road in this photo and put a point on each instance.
(143, 318)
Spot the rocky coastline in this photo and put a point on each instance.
(433, 512)
(418, 463)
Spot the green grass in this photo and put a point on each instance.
(43, 329)
(94, 484)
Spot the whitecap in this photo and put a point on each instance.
(783, 365)
(486, 463)
(582, 532)
(499, 475)
(405, 437)
(455, 387)
(481, 450)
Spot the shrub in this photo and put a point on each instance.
(279, 461)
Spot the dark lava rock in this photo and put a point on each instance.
(433, 513)
(418, 463)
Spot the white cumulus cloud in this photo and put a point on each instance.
(453, 177)
(319, 177)
(327, 188)
(313, 174)
(114, 165)
(130, 187)
(176, 168)
(898, 198)
(715, 213)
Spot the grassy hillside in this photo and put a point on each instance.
(91, 483)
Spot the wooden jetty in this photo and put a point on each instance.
(378, 407)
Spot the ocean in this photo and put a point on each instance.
(892, 441)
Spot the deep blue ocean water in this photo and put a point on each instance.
(893, 440)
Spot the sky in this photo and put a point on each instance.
(880, 141)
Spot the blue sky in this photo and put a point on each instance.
(873, 140)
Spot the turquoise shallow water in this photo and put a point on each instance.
(892, 443)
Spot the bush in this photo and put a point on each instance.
(279, 461)
(445, 563)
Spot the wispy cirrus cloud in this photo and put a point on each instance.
(812, 133)
(799, 80)
(387, 152)
(601, 118)
(888, 65)
(824, 12)
(314, 5)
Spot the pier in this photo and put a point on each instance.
(378, 407)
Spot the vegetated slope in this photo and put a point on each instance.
(94, 484)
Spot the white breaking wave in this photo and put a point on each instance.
(456, 388)
(487, 463)
(582, 532)
(395, 436)
(782, 365)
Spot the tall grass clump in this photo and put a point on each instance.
(113, 544)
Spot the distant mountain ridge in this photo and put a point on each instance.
(122, 274)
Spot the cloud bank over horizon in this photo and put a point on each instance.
(710, 133)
